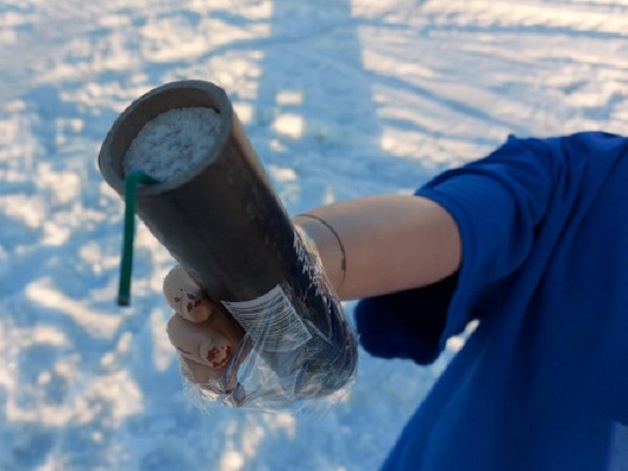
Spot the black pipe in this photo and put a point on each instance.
(223, 222)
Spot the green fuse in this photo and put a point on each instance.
(131, 182)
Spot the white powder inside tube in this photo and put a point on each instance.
(172, 142)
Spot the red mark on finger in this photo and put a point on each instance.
(212, 354)
(214, 359)
(191, 305)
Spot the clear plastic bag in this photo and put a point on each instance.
(298, 349)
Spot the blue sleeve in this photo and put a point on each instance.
(497, 203)
(407, 324)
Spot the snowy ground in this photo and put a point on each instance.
(340, 98)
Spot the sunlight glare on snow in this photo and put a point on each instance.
(526, 13)
(282, 174)
(100, 325)
(244, 112)
(231, 460)
(163, 353)
(64, 186)
(290, 125)
(289, 97)
(285, 422)
(31, 211)
(117, 392)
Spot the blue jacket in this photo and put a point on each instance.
(542, 384)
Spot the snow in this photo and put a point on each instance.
(340, 99)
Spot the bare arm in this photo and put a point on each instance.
(390, 243)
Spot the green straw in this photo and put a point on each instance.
(131, 182)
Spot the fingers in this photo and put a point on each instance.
(185, 296)
(204, 334)
(197, 373)
(199, 342)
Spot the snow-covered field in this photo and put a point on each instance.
(340, 98)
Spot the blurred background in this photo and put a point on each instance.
(340, 99)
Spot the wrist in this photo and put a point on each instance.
(328, 245)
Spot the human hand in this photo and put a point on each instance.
(205, 336)
(297, 346)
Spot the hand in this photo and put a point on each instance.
(205, 336)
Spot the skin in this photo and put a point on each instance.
(390, 243)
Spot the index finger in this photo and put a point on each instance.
(185, 296)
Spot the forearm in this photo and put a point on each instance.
(390, 243)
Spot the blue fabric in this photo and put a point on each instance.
(543, 382)
(409, 333)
